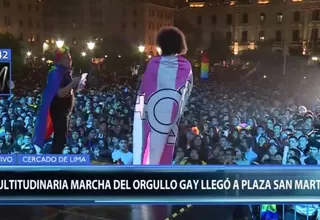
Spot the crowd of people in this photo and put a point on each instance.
(231, 124)
(224, 123)
(100, 125)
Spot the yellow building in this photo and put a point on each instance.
(155, 17)
(284, 23)
(135, 20)
(23, 19)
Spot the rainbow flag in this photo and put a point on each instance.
(205, 66)
(269, 212)
(44, 127)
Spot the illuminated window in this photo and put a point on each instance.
(262, 17)
(261, 36)
(30, 37)
(263, 1)
(279, 17)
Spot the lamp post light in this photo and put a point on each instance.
(29, 53)
(83, 54)
(141, 50)
(91, 45)
(59, 43)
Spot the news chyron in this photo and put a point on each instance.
(5, 72)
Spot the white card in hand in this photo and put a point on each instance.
(82, 82)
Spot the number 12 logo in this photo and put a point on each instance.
(5, 78)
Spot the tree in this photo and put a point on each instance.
(219, 49)
(8, 41)
(193, 34)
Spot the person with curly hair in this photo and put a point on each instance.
(164, 91)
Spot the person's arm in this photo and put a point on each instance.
(62, 92)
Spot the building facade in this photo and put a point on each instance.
(23, 19)
(78, 21)
(155, 17)
(285, 24)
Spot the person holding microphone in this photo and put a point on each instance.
(57, 102)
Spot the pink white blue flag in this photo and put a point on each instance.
(164, 92)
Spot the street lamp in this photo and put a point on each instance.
(83, 54)
(91, 45)
(29, 53)
(59, 43)
(141, 50)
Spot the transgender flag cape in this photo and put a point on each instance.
(164, 91)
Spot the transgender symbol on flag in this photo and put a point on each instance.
(141, 107)
(158, 119)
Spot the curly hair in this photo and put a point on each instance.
(171, 41)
